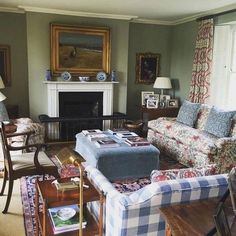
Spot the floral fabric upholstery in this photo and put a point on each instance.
(161, 175)
(194, 147)
(24, 125)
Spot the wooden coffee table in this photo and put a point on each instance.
(51, 197)
(195, 218)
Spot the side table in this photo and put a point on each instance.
(51, 197)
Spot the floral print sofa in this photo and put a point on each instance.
(194, 146)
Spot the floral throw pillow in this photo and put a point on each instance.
(162, 175)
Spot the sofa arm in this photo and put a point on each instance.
(226, 154)
(99, 180)
(226, 141)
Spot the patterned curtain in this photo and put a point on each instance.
(202, 63)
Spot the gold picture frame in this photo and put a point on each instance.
(147, 67)
(5, 64)
(80, 50)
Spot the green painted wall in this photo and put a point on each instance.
(29, 33)
(183, 41)
(38, 41)
(146, 38)
(13, 33)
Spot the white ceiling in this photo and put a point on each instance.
(149, 11)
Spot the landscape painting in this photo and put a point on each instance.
(80, 50)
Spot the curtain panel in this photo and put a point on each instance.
(202, 63)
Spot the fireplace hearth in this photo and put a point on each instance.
(80, 105)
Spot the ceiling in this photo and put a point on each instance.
(167, 12)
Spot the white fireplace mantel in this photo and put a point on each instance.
(54, 87)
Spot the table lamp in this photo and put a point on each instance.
(162, 83)
(3, 111)
(1, 83)
(68, 156)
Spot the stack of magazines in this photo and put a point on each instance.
(65, 218)
(137, 141)
(94, 134)
(127, 134)
(106, 142)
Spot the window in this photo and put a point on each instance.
(223, 82)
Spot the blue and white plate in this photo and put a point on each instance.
(66, 75)
(101, 76)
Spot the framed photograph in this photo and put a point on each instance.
(80, 50)
(145, 96)
(152, 103)
(5, 66)
(163, 100)
(173, 103)
(154, 96)
(147, 67)
(221, 222)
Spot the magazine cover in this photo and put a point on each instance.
(91, 131)
(107, 142)
(65, 218)
(93, 137)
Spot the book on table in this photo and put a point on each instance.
(65, 218)
(126, 135)
(106, 142)
(117, 130)
(94, 137)
(91, 131)
(137, 141)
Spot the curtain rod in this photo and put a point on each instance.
(215, 15)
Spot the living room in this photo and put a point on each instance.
(27, 30)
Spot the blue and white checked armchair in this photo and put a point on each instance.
(137, 213)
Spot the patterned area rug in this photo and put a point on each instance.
(28, 189)
(27, 186)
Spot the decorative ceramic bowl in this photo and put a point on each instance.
(66, 213)
(84, 78)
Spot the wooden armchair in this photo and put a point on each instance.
(23, 164)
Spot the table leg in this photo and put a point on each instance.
(37, 208)
(168, 230)
(101, 201)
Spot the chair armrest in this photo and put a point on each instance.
(37, 146)
(20, 134)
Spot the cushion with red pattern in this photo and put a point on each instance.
(162, 175)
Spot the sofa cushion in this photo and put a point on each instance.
(162, 175)
(202, 116)
(194, 138)
(188, 113)
(233, 128)
(219, 122)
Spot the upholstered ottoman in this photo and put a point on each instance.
(119, 162)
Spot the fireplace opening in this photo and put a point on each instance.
(79, 105)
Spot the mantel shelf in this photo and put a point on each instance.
(79, 82)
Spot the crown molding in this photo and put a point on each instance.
(11, 9)
(76, 13)
(152, 22)
(135, 19)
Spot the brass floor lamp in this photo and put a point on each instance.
(68, 156)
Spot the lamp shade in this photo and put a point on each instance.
(162, 83)
(1, 83)
(2, 97)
